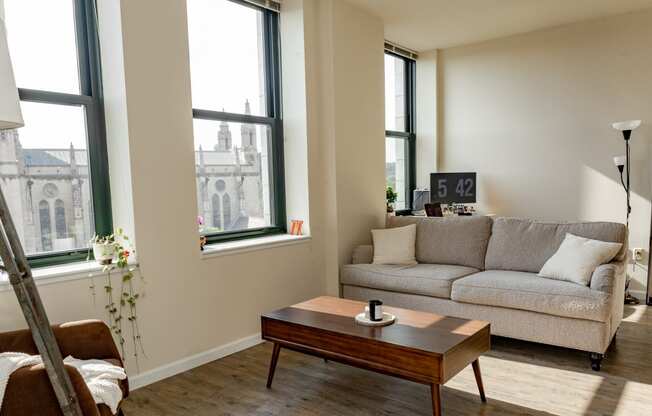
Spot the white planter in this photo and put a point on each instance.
(104, 253)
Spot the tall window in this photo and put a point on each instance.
(400, 169)
(234, 68)
(58, 159)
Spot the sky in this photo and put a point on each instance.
(47, 60)
(390, 105)
(224, 64)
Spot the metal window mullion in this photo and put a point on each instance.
(409, 96)
(277, 176)
(397, 134)
(97, 145)
(242, 234)
(98, 166)
(81, 40)
(272, 65)
(51, 97)
(273, 95)
(231, 117)
(410, 111)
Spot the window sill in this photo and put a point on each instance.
(244, 246)
(83, 270)
(57, 274)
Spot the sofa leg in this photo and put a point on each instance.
(596, 360)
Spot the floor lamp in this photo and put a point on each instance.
(623, 165)
(14, 263)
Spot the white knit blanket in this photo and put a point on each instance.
(100, 376)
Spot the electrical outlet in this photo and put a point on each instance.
(637, 254)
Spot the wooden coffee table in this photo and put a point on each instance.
(421, 347)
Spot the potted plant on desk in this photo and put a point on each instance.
(391, 197)
(104, 249)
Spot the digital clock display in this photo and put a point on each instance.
(449, 188)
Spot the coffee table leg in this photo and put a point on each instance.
(272, 364)
(478, 379)
(436, 399)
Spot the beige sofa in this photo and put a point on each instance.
(484, 268)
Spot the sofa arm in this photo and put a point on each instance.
(29, 392)
(605, 277)
(363, 254)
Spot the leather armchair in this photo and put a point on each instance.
(29, 391)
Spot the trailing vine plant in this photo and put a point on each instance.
(113, 252)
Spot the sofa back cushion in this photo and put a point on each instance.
(525, 245)
(449, 240)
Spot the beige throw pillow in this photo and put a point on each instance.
(577, 258)
(395, 245)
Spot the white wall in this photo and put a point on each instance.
(532, 114)
(334, 164)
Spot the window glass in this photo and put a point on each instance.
(394, 93)
(45, 166)
(232, 54)
(233, 182)
(44, 172)
(42, 44)
(396, 169)
(227, 59)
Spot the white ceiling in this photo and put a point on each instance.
(430, 24)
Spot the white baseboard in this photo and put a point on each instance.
(188, 363)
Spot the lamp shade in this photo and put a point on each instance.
(626, 125)
(620, 161)
(10, 115)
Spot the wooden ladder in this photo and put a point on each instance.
(14, 263)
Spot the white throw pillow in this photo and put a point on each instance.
(395, 245)
(577, 258)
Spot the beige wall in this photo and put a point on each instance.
(426, 108)
(335, 165)
(351, 77)
(532, 113)
(359, 132)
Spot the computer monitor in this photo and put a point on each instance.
(453, 188)
(420, 197)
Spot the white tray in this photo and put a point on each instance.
(388, 319)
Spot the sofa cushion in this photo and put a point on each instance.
(577, 259)
(527, 291)
(526, 245)
(395, 245)
(422, 279)
(449, 240)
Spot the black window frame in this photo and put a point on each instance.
(90, 98)
(409, 135)
(273, 119)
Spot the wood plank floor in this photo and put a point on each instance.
(520, 378)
